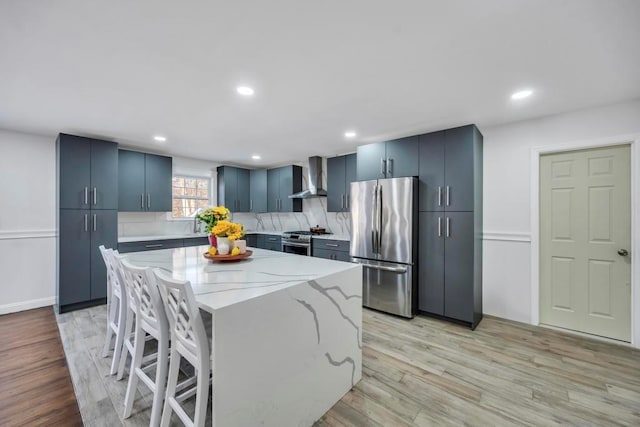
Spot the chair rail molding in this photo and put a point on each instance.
(507, 236)
(634, 141)
(27, 234)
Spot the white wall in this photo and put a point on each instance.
(507, 192)
(27, 221)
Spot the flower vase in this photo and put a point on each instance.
(212, 241)
(224, 245)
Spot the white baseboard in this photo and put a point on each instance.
(26, 305)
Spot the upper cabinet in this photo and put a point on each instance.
(341, 172)
(281, 183)
(233, 188)
(258, 190)
(144, 182)
(87, 174)
(391, 159)
(448, 168)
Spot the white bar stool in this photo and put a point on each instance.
(116, 310)
(188, 340)
(150, 318)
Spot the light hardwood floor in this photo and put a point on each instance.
(424, 372)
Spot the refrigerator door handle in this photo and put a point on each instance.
(379, 231)
(384, 268)
(374, 216)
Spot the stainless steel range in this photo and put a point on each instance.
(297, 242)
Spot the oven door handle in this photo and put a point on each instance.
(297, 245)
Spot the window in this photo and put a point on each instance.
(190, 193)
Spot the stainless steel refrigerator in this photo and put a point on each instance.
(384, 240)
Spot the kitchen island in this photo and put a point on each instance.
(286, 336)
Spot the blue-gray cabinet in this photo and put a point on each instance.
(281, 183)
(233, 188)
(144, 182)
(153, 245)
(258, 190)
(87, 181)
(390, 159)
(341, 172)
(87, 171)
(271, 242)
(331, 249)
(450, 221)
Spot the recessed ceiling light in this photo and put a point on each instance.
(522, 94)
(350, 134)
(245, 90)
(159, 138)
(255, 157)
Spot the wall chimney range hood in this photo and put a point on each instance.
(315, 181)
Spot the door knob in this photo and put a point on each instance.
(623, 252)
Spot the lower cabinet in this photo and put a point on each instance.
(195, 241)
(331, 249)
(82, 275)
(272, 243)
(450, 256)
(264, 241)
(150, 245)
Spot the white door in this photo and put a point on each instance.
(585, 241)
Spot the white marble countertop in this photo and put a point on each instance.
(127, 239)
(221, 284)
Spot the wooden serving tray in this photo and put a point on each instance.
(228, 257)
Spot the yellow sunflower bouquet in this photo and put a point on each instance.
(228, 229)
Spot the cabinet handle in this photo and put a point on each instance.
(95, 223)
(342, 201)
(86, 195)
(251, 204)
(273, 239)
(86, 223)
(157, 245)
(439, 226)
(448, 196)
(389, 167)
(383, 167)
(333, 245)
(439, 195)
(148, 200)
(95, 196)
(142, 201)
(448, 227)
(348, 200)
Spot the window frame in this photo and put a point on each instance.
(186, 176)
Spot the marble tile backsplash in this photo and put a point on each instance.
(314, 213)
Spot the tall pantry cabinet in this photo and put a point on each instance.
(87, 217)
(450, 220)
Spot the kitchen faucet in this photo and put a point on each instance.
(196, 221)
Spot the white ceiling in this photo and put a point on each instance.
(128, 70)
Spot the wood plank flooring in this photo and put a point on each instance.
(419, 372)
(424, 372)
(35, 386)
